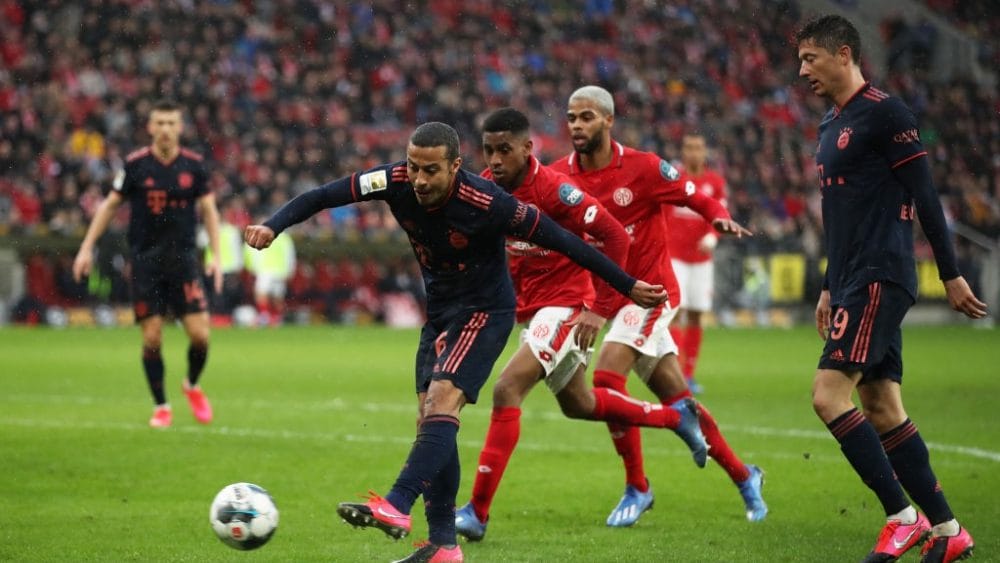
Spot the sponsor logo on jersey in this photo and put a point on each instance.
(373, 182)
(690, 188)
(844, 138)
(590, 214)
(623, 196)
(570, 194)
(908, 136)
(668, 172)
(185, 180)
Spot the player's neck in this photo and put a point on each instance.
(166, 153)
(694, 170)
(853, 84)
(597, 159)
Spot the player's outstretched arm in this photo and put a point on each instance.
(334, 194)
(961, 298)
(85, 256)
(730, 227)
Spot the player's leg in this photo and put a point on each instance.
(439, 506)
(907, 452)
(452, 366)
(680, 324)
(188, 301)
(518, 377)
(863, 329)
(696, 299)
(152, 365)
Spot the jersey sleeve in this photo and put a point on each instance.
(895, 133)
(671, 187)
(124, 180)
(201, 187)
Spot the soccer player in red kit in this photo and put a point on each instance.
(563, 312)
(633, 186)
(691, 242)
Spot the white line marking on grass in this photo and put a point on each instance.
(338, 404)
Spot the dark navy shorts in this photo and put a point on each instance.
(462, 351)
(173, 285)
(865, 333)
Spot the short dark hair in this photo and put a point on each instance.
(436, 134)
(507, 119)
(831, 32)
(166, 104)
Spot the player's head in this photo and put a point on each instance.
(590, 114)
(829, 51)
(432, 161)
(165, 124)
(694, 151)
(507, 146)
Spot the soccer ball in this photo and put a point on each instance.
(244, 516)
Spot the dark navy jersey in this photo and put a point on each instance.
(460, 243)
(163, 198)
(867, 210)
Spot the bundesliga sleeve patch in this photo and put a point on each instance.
(373, 182)
(668, 172)
(570, 194)
(119, 180)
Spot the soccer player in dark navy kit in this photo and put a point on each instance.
(165, 186)
(457, 223)
(874, 178)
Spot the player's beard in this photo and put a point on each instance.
(592, 144)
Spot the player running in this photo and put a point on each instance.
(875, 178)
(564, 314)
(457, 223)
(633, 186)
(691, 242)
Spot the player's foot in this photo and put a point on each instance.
(162, 417)
(690, 431)
(631, 506)
(897, 538)
(945, 549)
(429, 553)
(751, 491)
(376, 513)
(468, 524)
(695, 387)
(200, 406)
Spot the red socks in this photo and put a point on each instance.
(627, 440)
(501, 439)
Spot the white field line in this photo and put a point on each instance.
(337, 404)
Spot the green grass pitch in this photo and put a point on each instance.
(319, 415)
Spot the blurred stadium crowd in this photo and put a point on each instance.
(283, 95)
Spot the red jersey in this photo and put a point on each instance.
(546, 278)
(634, 188)
(687, 227)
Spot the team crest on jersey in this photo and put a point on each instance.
(844, 138)
(373, 182)
(623, 196)
(540, 332)
(668, 172)
(632, 318)
(458, 240)
(185, 180)
(570, 194)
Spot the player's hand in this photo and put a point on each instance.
(730, 227)
(81, 264)
(588, 324)
(258, 236)
(823, 314)
(214, 269)
(961, 298)
(647, 295)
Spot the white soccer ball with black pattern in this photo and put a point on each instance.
(244, 516)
